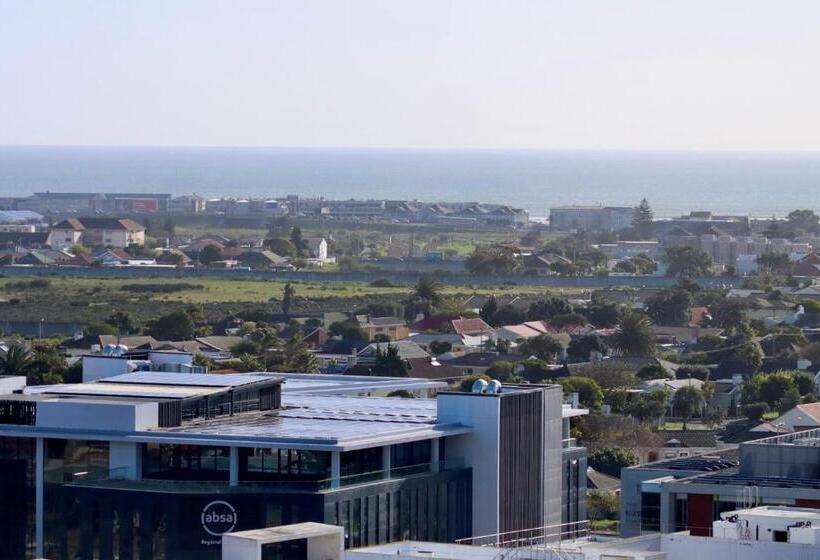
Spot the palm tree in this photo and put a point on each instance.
(16, 361)
(634, 338)
(427, 289)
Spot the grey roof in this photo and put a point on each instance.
(188, 379)
(407, 349)
(328, 422)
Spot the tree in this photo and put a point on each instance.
(582, 347)
(248, 363)
(438, 347)
(803, 220)
(97, 328)
(210, 254)
(714, 416)
(755, 411)
(669, 307)
(348, 330)
(775, 263)
(687, 261)
(568, 320)
(401, 394)
(298, 358)
(648, 407)
(389, 363)
(611, 376)
(544, 347)
(16, 361)
(298, 241)
(634, 337)
(122, 322)
(642, 220)
(176, 325)
(590, 394)
(503, 371)
(466, 383)
(726, 313)
(287, 298)
(604, 316)
(427, 289)
(544, 309)
(627, 267)
(495, 260)
(687, 402)
(750, 355)
(281, 246)
(508, 314)
(610, 460)
(488, 310)
(245, 347)
(772, 388)
(653, 371)
(687, 371)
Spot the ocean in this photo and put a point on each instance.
(760, 184)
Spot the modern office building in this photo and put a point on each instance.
(690, 494)
(161, 465)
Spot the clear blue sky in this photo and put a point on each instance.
(608, 74)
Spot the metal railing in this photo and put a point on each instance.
(387, 474)
(551, 535)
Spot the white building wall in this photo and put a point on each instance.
(480, 450)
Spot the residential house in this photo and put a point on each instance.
(107, 232)
(477, 363)
(261, 259)
(394, 328)
(472, 327)
(801, 417)
(674, 444)
(317, 248)
(808, 266)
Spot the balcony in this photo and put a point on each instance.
(118, 479)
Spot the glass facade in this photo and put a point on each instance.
(408, 454)
(185, 462)
(17, 515)
(361, 461)
(67, 461)
(282, 464)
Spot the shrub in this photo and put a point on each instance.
(160, 288)
(755, 411)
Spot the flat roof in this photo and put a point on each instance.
(188, 379)
(337, 422)
(135, 390)
(328, 384)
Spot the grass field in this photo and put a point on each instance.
(214, 290)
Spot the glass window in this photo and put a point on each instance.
(67, 459)
(185, 462)
(361, 461)
(275, 463)
(414, 453)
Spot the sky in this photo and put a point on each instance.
(507, 74)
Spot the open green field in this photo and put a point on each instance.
(225, 290)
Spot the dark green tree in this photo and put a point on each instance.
(669, 307)
(610, 460)
(389, 363)
(687, 261)
(643, 220)
(210, 254)
(287, 298)
(634, 337)
(176, 325)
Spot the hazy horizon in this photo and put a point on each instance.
(636, 75)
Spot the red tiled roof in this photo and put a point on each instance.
(471, 326)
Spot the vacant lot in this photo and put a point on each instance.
(65, 299)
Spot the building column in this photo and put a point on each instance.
(335, 469)
(386, 462)
(667, 521)
(234, 467)
(39, 507)
(434, 457)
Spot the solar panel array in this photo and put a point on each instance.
(188, 379)
(770, 481)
